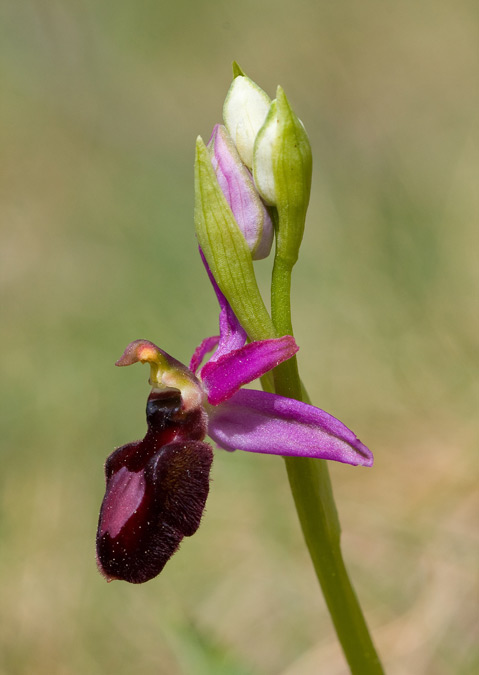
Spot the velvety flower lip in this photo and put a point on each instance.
(156, 491)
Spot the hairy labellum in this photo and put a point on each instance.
(156, 491)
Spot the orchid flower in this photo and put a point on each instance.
(156, 488)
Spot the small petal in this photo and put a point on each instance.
(257, 421)
(237, 185)
(224, 376)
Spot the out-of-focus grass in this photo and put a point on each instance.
(100, 106)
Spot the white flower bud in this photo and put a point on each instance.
(244, 112)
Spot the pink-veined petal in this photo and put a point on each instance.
(257, 421)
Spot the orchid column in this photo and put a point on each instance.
(255, 170)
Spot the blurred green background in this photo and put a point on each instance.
(100, 106)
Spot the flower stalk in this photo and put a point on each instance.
(313, 497)
(314, 501)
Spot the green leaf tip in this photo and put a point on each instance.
(237, 70)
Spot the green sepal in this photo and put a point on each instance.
(226, 250)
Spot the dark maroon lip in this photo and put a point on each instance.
(156, 490)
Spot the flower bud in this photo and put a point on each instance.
(244, 111)
(282, 165)
(238, 187)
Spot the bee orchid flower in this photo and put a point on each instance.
(156, 488)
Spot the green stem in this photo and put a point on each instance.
(313, 496)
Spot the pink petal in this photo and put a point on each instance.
(257, 421)
(223, 376)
